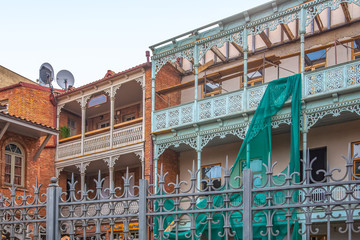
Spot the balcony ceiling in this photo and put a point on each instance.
(128, 94)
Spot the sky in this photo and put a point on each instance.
(90, 37)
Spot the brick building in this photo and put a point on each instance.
(28, 136)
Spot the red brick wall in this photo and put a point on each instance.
(32, 104)
(166, 77)
(42, 168)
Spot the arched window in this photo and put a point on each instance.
(14, 164)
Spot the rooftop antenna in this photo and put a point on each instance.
(65, 79)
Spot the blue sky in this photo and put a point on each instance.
(90, 37)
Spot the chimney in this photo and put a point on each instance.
(147, 53)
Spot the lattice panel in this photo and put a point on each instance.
(353, 74)
(334, 79)
(254, 96)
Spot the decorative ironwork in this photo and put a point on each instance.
(187, 53)
(277, 19)
(191, 142)
(94, 212)
(254, 96)
(276, 204)
(174, 117)
(320, 5)
(23, 216)
(219, 42)
(315, 114)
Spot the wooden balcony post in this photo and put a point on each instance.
(83, 113)
(112, 101)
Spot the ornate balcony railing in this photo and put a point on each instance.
(327, 80)
(121, 136)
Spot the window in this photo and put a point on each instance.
(253, 78)
(103, 124)
(96, 101)
(128, 117)
(355, 153)
(315, 60)
(318, 164)
(211, 172)
(356, 49)
(14, 165)
(211, 89)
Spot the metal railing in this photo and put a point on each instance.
(274, 208)
(326, 80)
(121, 136)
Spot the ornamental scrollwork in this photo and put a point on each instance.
(282, 119)
(274, 23)
(187, 53)
(191, 142)
(335, 110)
(219, 42)
(317, 8)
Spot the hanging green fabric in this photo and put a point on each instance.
(255, 150)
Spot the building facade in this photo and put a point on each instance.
(224, 69)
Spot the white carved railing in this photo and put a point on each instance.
(71, 149)
(127, 135)
(122, 136)
(97, 142)
(326, 80)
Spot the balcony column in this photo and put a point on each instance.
(58, 111)
(199, 169)
(245, 50)
(196, 65)
(302, 40)
(82, 167)
(302, 66)
(111, 163)
(156, 160)
(140, 155)
(83, 115)
(112, 104)
(153, 75)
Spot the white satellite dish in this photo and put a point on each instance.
(65, 79)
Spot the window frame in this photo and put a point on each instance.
(202, 177)
(12, 165)
(98, 104)
(353, 53)
(317, 65)
(357, 159)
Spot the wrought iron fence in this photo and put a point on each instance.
(250, 206)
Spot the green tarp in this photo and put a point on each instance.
(255, 150)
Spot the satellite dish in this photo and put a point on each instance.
(65, 79)
(46, 74)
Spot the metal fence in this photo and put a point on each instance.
(278, 206)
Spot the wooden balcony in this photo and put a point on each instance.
(99, 140)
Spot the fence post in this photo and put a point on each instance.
(143, 230)
(247, 196)
(52, 210)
